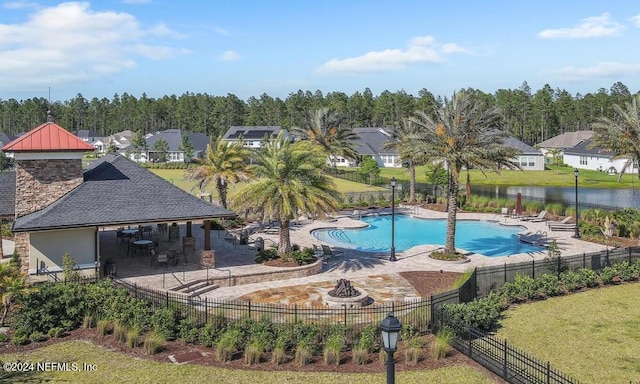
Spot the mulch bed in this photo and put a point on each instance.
(426, 283)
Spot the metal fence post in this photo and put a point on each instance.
(533, 269)
(505, 273)
(548, 372)
(504, 364)
(167, 299)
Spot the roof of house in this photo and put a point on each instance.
(371, 139)
(86, 133)
(5, 138)
(7, 193)
(525, 149)
(118, 191)
(48, 137)
(566, 140)
(253, 132)
(584, 148)
(173, 137)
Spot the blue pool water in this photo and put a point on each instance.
(484, 237)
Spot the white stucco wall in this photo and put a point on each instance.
(50, 246)
(531, 162)
(597, 163)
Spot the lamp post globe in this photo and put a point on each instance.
(576, 235)
(390, 330)
(392, 257)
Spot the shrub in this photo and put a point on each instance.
(267, 254)
(608, 275)
(571, 281)
(209, 334)
(253, 353)
(284, 341)
(523, 288)
(554, 208)
(120, 331)
(132, 337)
(625, 271)
(548, 285)
(56, 332)
(333, 347)
(102, 327)
(20, 340)
(89, 321)
(163, 322)
(188, 330)
(482, 314)
(412, 344)
(228, 344)
(588, 277)
(442, 343)
(153, 343)
(3, 338)
(304, 256)
(364, 345)
(304, 352)
(38, 336)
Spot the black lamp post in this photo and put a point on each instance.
(577, 233)
(390, 330)
(393, 220)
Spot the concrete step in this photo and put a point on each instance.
(203, 290)
(186, 285)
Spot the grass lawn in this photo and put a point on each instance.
(558, 176)
(119, 368)
(176, 177)
(593, 336)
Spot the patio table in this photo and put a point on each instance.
(143, 245)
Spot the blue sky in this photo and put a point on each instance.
(247, 48)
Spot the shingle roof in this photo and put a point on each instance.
(566, 140)
(370, 141)
(584, 148)
(525, 149)
(173, 137)
(5, 139)
(118, 191)
(7, 193)
(252, 132)
(47, 137)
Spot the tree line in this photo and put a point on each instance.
(529, 116)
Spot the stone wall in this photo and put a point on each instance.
(39, 183)
(22, 248)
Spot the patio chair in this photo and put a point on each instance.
(563, 221)
(535, 218)
(266, 228)
(328, 253)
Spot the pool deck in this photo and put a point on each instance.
(372, 272)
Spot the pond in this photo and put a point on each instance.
(587, 197)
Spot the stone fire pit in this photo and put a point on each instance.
(344, 295)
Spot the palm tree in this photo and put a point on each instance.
(620, 135)
(409, 154)
(463, 133)
(290, 181)
(224, 163)
(323, 127)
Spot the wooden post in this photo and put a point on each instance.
(207, 235)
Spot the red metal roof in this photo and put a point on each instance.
(49, 137)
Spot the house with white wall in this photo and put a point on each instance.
(586, 156)
(252, 136)
(529, 158)
(562, 142)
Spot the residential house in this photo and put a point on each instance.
(92, 138)
(584, 156)
(175, 153)
(370, 143)
(252, 136)
(529, 158)
(60, 209)
(5, 139)
(120, 140)
(559, 144)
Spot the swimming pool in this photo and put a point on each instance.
(484, 237)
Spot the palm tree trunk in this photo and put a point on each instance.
(284, 245)
(221, 186)
(412, 183)
(468, 186)
(452, 209)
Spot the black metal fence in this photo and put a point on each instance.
(493, 277)
(503, 359)
(416, 313)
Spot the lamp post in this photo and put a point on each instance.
(390, 329)
(577, 233)
(393, 220)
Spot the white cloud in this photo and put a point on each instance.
(590, 27)
(221, 31)
(230, 56)
(636, 20)
(70, 42)
(421, 49)
(600, 70)
(20, 5)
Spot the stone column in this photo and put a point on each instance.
(208, 258)
(22, 248)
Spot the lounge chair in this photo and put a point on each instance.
(562, 225)
(327, 253)
(563, 221)
(539, 238)
(266, 228)
(535, 218)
